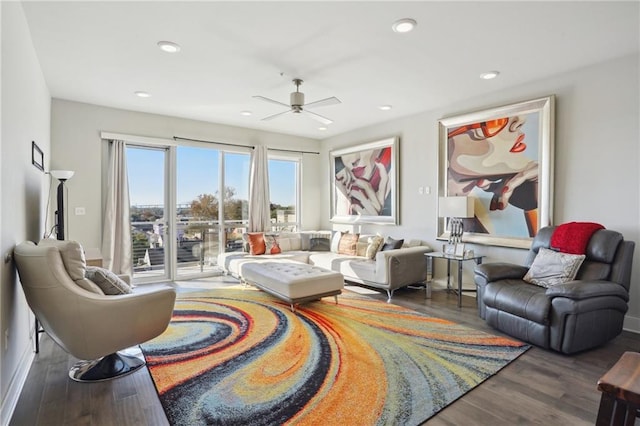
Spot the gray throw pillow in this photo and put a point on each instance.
(551, 268)
(109, 283)
(391, 244)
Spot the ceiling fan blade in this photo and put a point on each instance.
(271, 117)
(323, 102)
(317, 117)
(272, 101)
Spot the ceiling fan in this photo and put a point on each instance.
(299, 107)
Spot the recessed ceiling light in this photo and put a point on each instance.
(169, 46)
(246, 113)
(322, 128)
(142, 94)
(385, 107)
(489, 75)
(404, 25)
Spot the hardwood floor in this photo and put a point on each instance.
(540, 387)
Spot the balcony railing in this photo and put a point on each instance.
(197, 244)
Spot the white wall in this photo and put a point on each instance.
(26, 106)
(75, 138)
(597, 159)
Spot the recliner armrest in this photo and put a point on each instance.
(579, 290)
(500, 271)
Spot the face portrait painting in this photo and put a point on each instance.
(496, 162)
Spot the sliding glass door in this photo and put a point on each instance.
(235, 200)
(212, 188)
(191, 202)
(197, 173)
(148, 200)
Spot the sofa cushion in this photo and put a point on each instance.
(361, 249)
(72, 255)
(392, 244)
(603, 245)
(319, 244)
(306, 236)
(349, 266)
(289, 241)
(232, 261)
(109, 283)
(518, 298)
(256, 243)
(550, 268)
(348, 243)
(593, 271)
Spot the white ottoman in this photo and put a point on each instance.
(293, 282)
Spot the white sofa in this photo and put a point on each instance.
(388, 270)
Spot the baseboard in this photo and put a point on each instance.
(17, 383)
(631, 324)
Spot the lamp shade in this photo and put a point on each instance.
(455, 207)
(62, 174)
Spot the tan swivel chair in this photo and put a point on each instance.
(84, 321)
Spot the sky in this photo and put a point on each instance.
(197, 173)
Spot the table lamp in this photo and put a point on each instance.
(455, 208)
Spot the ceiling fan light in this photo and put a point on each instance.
(404, 25)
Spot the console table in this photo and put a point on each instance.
(460, 260)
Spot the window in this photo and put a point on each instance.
(284, 173)
(188, 204)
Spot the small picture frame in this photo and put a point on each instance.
(449, 249)
(459, 250)
(37, 156)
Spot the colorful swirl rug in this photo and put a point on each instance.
(238, 356)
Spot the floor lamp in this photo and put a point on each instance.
(455, 208)
(62, 176)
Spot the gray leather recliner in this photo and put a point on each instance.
(569, 317)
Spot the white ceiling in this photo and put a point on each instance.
(102, 52)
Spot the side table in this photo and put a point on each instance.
(460, 260)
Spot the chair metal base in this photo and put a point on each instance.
(109, 367)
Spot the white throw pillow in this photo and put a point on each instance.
(551, 268)
(374, 244)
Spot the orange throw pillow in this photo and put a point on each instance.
(256, 243)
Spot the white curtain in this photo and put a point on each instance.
(259, 207)
(116, 233)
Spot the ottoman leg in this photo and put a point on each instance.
(336, 297)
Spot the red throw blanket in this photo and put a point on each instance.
(573, 237)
